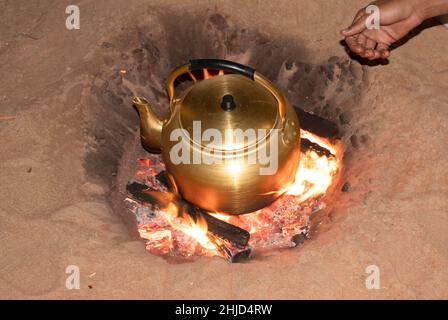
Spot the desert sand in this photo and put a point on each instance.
(55, 195)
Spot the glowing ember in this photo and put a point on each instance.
(195, 229)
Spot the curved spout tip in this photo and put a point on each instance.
(150, 125)
(139, 101)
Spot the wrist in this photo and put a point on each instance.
(426, 9)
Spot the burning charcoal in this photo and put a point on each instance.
(164, 180)
(306, 145)
(237, 236)
(158, 242)
(238, 255)
(231, 241)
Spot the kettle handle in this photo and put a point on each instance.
(220, 64)
(230, 66)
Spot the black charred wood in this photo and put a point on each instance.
(222, 229)
(164, 178)
(232, 241)
(317, 125)
(306, 145)
(145, 195)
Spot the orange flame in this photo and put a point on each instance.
(315, 173)
(320, 141)
(196, 229)
(313, 178)
(192, 76)
(207, 74)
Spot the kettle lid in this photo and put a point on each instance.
(224, 102)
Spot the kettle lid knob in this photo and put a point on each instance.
(228, 102)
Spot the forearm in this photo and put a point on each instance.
(430, 8)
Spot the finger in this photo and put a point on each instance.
(361, 40)
(383, 50)
(353, 44)
(385, 54)
(358, 16)
(370, 47)
(370, 44)
(376, 55)
(356, 27)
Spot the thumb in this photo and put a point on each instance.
(355, 28)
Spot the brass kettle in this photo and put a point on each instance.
(231, 143)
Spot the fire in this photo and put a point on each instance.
(185, 223)
(313, 178)
(315, 173)
(205, 74)
(221, 216)
(320, 141)
(192, 76)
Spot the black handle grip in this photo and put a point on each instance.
(220, 64)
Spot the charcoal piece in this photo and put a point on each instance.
(306, 145)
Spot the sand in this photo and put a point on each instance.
(55, 213)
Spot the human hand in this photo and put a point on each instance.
(397, 18)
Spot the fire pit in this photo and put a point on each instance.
(137, 65)
(171, 226)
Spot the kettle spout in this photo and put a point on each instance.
(150, 125)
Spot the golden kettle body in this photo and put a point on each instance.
(231, 143)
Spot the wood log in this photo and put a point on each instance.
(231, 241)
(221, 228)
(319, 126)
(306, 145)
